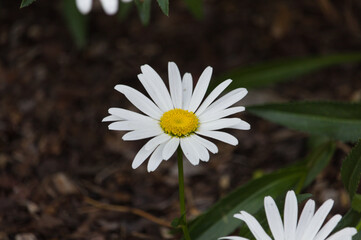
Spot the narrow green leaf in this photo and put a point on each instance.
(164, 5)
(77, 23)
(144, 10)
(219, 221)
(350, 219)
(356, 203)
(317, 160)
(357, 236)
(124, 10)
(351, 170)
(335, 120)
(261, 215)
(277, 71)
(196, 7)
(25, 3)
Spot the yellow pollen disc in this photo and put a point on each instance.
(179, 123)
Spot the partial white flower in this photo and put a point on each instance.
(308, 226)
(177, 117)
(110, 6)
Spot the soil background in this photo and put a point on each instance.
(59, 164)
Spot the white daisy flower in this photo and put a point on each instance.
(110, 6)
(177, 117)
(307, 228)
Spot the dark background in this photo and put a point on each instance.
(55, 154)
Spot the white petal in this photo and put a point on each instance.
(211, 116)
(232, 238)
(157, 140)
(199, 148)
(142, 134)
(329, 226)
(127, 115)
(187, 86)
(290, 216)
(344, 234)
(111, 118)
(140, 101)
(84, 6)
(219, 124)
(274, 218)
(188, 151)
(155, 159)
(212, 96)
(110, 6)
(133, 125)
(200, 89)
(317, 220)
(208, 144)
(253, 225)
(241, 126)
(141, 156)
(305, 218)
(170, 147)
(221, 136)
(227, 100)
(175, 84)
(158, 84)
(154, 93)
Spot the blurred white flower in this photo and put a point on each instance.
(177, 117)
(110, 6)
(307, 228)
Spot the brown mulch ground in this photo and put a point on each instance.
(56, 155)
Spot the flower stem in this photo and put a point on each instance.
(181, 194)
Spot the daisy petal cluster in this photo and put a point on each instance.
(182, 116)
(110, 6)
(308, 226)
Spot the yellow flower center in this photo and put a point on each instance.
(179, 123)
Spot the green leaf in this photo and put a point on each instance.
(276, 71)
(317, 160)
(144, 10)
(335, 120)
(77, 23)
(357, 236)
(124, 9)
(219, 221)
(196, 7)
(350, 219)
(25, 3)
(164, 5)
(351, 170)
(261, 215)
(356, 203)
(320, 154)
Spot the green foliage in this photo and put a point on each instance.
(350, 219)
(277, 71)
(317, 160)
(351, 170)
(219, 221)
(357, 236)
(196, 7)
(25, 3)
(124, 10)
(261, 215)
(164, 5)
(144, 10)
(356, 203)
(336, 120)
(77, 23)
